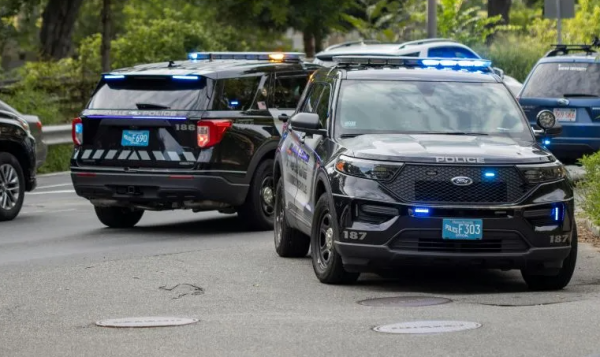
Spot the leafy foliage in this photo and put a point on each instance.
(590, 187)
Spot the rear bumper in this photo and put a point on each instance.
(135, 188)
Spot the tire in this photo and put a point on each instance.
(118, 217)
(289, 242)
(326, 261)
(258, 213)
(560, 280)
(12, 187)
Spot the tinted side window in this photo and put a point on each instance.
(287, 91)
(236, 93)
(323, 108)
(451, 52)
(312, 99)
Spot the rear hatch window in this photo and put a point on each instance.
(558, 80)
(150, 127)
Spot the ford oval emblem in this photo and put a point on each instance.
(462, 181)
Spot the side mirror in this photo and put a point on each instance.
(308, 123)
(498, 72)
(547, 121)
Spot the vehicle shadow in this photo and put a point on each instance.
(447, 281)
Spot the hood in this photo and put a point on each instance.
(446, 149)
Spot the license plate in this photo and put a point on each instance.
(471, 229)
(135, 138)
(565, 114)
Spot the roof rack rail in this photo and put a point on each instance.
(294, 57)
(424, 41)
(461, 64)
(562, 49)
(350, 43)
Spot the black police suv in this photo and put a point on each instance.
(17, 164)
(398, 161)
(198, 134)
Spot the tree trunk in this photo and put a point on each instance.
(58, 21)
(309, 45)
(500, 7)
(106, 35)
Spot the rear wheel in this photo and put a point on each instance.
(12, 187)
(559, 280)
(258, 210)
(326, 261)
(118, 217)
(289, 242)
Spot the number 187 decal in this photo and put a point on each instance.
(353, 235)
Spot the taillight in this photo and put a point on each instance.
(39, 125)
(77, 131)
(210, 132)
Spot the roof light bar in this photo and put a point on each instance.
(257, 56)
(113, 76)
(439, 63)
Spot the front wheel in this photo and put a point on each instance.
(118, 217)
(559, 280)
(12, 187)
(326, 261)
(258, 210)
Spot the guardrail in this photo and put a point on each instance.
(57, 134)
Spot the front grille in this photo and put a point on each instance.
(432, 184)
(431, 241)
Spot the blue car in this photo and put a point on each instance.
(566, 81)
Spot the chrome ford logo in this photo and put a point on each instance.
(461, 181)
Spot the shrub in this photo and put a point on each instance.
(590, 187)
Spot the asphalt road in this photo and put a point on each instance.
(61, 270)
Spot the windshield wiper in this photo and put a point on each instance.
(350, 135)
(450, 133)
(579, 95)
(150, 106)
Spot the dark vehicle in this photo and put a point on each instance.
(17, 164)
(35, 126)
(437, 165)
(566, 81)
(199, 134)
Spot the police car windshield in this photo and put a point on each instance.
(151, 93)
(417, 107)
(557, 80)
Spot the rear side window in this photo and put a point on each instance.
(287, 91)
(238, 94)
(557, 80)
(451, 52)
(151, 93)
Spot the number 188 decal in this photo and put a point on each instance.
(353, 235)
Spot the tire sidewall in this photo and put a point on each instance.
(323, 206)
(279, 200)
(264, 170)
(6, 158)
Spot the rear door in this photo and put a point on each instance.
(144, 122)
(569, 89)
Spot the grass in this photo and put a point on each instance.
(58, 159)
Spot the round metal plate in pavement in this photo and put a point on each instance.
(405, 301)
(423, 327)
(140, 322)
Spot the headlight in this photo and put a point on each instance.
(374, 170)
(543, 173)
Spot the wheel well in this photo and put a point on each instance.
(18, 152)
(320, 190)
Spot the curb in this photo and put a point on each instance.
(591, 226)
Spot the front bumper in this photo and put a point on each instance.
(388, 235)
(158, 190)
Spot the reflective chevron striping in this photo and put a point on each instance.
(134, 155)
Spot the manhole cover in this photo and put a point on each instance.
(421, 327)
(406, 301)
(138, 322)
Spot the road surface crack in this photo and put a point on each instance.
(182, 290)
